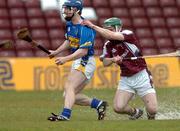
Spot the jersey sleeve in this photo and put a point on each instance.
(66, 30)
(87, 37)
(106, 51)
(129, 36)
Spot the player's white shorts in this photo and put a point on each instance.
(88, 69)
(139, 83)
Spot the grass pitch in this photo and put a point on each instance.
(28, 111)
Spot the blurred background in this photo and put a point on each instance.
(155, 22)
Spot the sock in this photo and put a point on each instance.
(95, 103)
(132, 112)
(151, 116)
(66, 112)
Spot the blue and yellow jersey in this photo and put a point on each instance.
(80, 37)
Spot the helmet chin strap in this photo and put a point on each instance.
(77, 12)
(117, 29)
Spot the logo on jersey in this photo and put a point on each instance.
(69, 29)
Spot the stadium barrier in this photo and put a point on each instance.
(42, 74)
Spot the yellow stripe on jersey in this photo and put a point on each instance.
(74, 45)
(86, 44)
(74, 40)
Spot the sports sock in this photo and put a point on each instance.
(151, 116)
(66, 112)
(132, 112)
(95, 103)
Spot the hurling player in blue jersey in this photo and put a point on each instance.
(80, 39)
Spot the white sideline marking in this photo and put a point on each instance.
(168, 111)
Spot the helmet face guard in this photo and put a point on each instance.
(70, 5)
(113, 22)
(65, 11)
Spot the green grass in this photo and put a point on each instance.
(28, 111)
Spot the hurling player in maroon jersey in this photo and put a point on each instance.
(135, 77)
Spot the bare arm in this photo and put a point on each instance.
(110, 35)
(108, 61)
(63, 47)
(76, 55)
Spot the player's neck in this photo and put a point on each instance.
(77, 19)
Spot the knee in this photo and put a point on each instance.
(118, 108)
(68, 89)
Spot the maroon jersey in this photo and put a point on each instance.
(127, 48)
